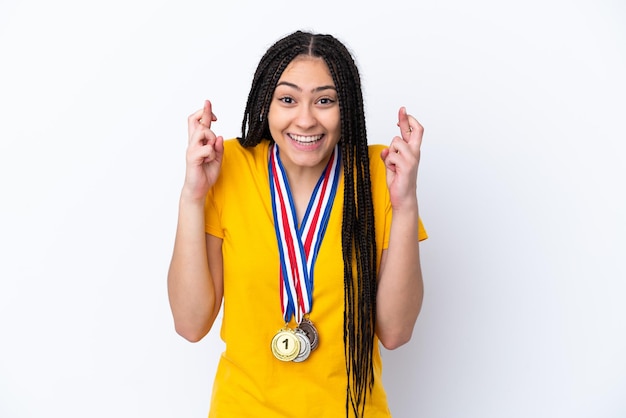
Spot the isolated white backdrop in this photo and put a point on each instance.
(521, 189)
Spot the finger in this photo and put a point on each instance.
(403, 155)
(192, 122)
(398, 146)
(202, 136)
(200, 153)
(207, 115)
(417, 132)
(200, 121)
(216, 150)
(219, 145)
(197, 155)
(384, 153)
(387, 155)
(403, 124)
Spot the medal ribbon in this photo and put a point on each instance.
(298, 247)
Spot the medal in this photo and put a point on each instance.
(298, 246)
(305, 346)
(286, 345)
(311, 332)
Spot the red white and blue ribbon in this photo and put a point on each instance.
(298, 245)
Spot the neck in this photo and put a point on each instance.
(303, 177)
(302, 181)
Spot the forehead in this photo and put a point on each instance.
(307, 68)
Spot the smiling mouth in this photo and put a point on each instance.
(305, 139)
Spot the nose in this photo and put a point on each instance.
(306, 117)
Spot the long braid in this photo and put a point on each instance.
(358, 233)
(359, 237)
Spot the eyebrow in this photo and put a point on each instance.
(315, 90)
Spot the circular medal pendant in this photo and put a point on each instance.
(311, 332)
(285, 345)
(305, 346)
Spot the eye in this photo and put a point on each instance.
(326, 101)
(286, 100)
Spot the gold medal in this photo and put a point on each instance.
(285, 345)
(311, 332)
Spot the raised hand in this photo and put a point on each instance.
(204, 153)
(402, 160)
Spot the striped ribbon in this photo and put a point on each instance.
(298, 247)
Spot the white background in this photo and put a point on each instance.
(521, 189)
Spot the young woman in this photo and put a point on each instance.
(309, 236)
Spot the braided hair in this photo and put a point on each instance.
(358, 239)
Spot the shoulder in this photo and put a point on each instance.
(378, 174)
(377, 165)
(375, 149)
(233, 146)
(235, 153)
(241, 165)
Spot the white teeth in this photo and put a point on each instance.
(305, 139)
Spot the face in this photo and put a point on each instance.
(304, 115)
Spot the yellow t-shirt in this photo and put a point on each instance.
(250, 381)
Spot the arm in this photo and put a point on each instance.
(194, 281)
(400, 285)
